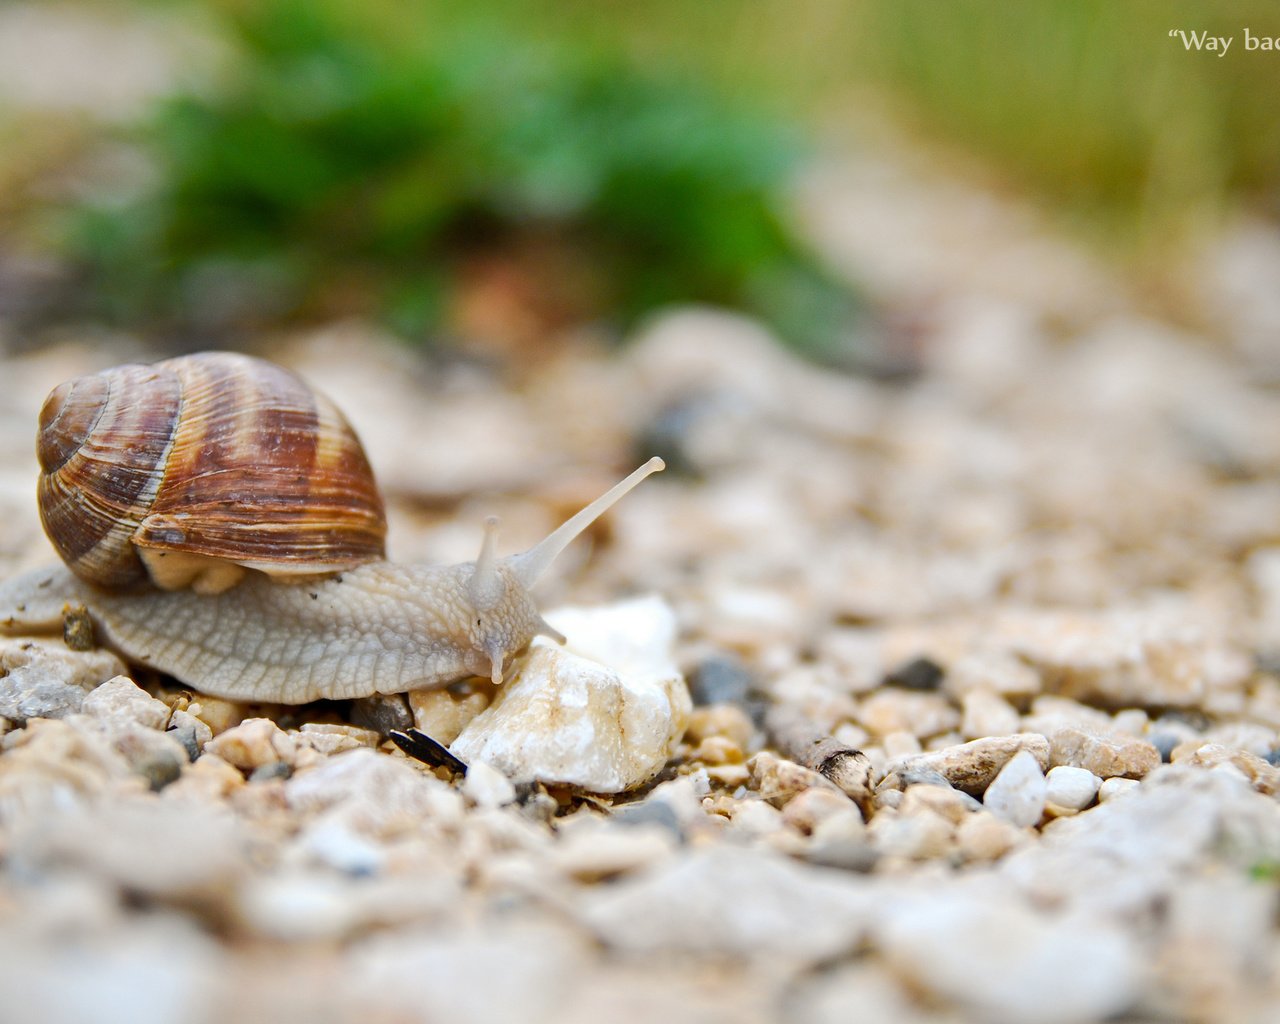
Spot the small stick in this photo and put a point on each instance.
(806, 744)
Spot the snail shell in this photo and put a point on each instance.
(190, 470)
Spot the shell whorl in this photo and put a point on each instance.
(215, 455)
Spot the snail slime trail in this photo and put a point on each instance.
(162, 485)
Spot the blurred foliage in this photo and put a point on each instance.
(1086, 103)
(415, 161)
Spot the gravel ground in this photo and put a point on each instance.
(984, 665)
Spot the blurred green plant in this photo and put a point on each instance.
(383, 159)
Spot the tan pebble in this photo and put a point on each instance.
(121, 700)
(851, 735)
(778, 780)
(1106, 755)
(971, 767)
(985, 713)
(809, 809)
(984, 837)
(922, 835)
(944, 740)
(900, 744)
(992, 671)
(334, 739)
(1053, 810)
(755, 818)
(254, 743)
(1263, 704)
(729, 774)
(717, 750)
(209, 777)
(891, 710)
(443, 715)
(949, 803)
(1131, 722)
(218, 714)
(723, 720)
(589, 855)
(1261, 774)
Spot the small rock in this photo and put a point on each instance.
(485, 786)
(1262, 775)
(971, 767)
(443, 714)
(253, 743)
(165, 850)
(720, 720)
(987, 714)
(602, 714)
(755, 818)
(43, 679)
(894, 710)
(918, 674)
(271, 771)
(729, 900)
(1072, 788)
(921, 834)
(1115, 787)
(384, 713)
(599, 852)
(121, 700)
(721, 679)
(1017, 794)
(373, 793)
(218, 714)
(807, 810)
(1106, 755)
(983, 837)
(841, 841)
(645, 813)
(778, 780)
(1001, 961)
(900, 744)
(186, 722)
(334, 739)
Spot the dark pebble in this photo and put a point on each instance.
(1164, 742)
(187, 737)
(920, 674)
(384, 714)
(667, 434)
(649, 812)
(161, 771)
(274, 770)
(721, 679)
(1273, 757)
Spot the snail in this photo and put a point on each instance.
(219, 522)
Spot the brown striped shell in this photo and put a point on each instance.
(192, 467)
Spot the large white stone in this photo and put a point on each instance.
(601, 713)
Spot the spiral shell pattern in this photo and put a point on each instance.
(218, 455)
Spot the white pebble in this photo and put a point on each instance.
(602, 714)
(1018, 793)
(1115, 787)
(1073, 788)
(485, 786)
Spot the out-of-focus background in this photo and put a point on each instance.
(489, 176)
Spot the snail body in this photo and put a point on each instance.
(352, 624)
